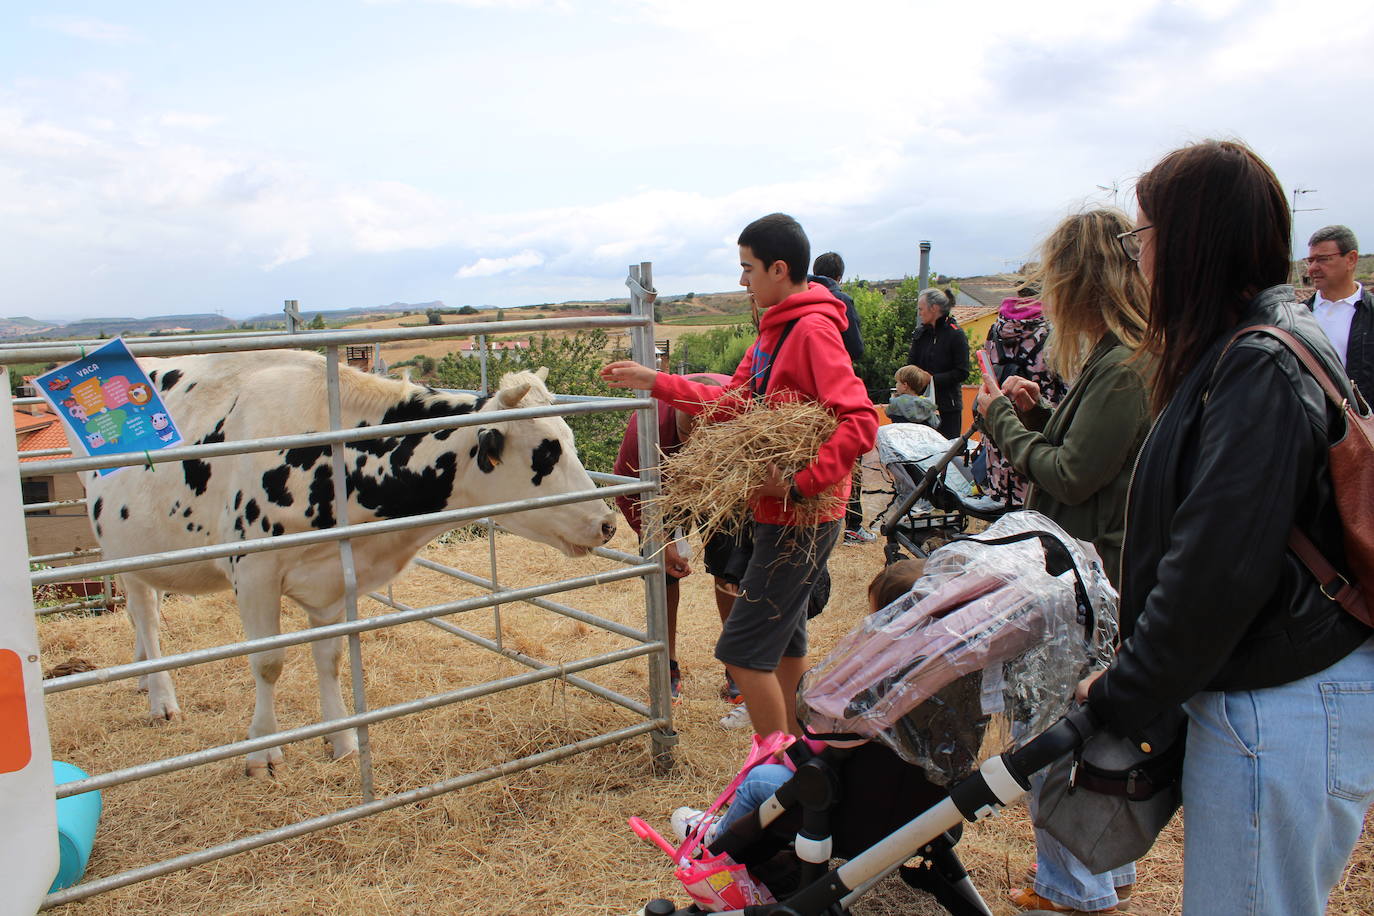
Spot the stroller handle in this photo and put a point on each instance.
(1063, 737)
(927, 480)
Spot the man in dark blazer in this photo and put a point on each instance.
(1341, 304)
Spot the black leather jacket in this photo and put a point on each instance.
(1211, 598)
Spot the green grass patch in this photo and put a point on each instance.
(740, 318)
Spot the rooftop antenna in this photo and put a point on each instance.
(1296, 192)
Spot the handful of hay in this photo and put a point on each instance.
(708, 481)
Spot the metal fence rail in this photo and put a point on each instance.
(649, 642)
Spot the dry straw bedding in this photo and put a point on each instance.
(549, 840)
(707, 482)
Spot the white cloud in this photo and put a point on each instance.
(568, 155)
(564, 5)
(489, 267)
(189, 120)
(88, 29)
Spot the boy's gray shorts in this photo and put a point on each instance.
(768, 620)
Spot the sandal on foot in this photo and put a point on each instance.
(1023, 898)
(1123, 891)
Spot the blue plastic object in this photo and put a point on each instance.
(77, 817)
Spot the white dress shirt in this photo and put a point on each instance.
(1335, 318)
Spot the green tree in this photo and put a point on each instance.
(887, 328)
(434, 316)
(717, 350)
(975, 343)
(574, 363)
(317, 323)
(467, 310)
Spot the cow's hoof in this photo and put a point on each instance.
(162, 713)
(257, 769)
(264, 763)
(343, 745)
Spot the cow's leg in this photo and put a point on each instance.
(328, 658)
(143, 606)
(259, 599)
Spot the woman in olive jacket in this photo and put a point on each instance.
(1276, 680)
(1079, 456)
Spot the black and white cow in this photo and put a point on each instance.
(230, 397)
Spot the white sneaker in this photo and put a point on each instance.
(737, 717)
(684, 820)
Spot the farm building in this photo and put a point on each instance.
(56, 530)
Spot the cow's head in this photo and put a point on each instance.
(525, 458)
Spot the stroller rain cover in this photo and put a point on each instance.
(1005, 622)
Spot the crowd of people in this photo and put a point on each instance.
(1128, 404)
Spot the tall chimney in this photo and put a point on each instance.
(924, 277)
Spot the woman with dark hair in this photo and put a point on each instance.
(1078, 456)
(1274, 679)
(939, 346)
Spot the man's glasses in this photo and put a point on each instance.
(1130, 242)
(1321, 259)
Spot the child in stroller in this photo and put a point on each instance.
(934, 492)
(1004, 624)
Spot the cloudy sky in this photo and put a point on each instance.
(161, 157)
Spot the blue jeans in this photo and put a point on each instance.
(1060, 877)
(762, 781)
(1276, 783)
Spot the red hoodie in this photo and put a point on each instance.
(813, 366)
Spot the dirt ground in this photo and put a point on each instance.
(548, 840)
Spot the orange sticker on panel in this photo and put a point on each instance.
(15, 750)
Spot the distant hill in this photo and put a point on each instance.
(336, 316)
(111, 327)
(22, 324)
(22, 329)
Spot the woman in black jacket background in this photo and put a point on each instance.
(1277, 681)
(939, 346)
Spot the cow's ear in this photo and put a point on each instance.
(512, 396)
(542, 373)
(487, 451)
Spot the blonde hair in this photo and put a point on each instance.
(914, 377)
(1090, 287)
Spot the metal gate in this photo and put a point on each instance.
(650, 642)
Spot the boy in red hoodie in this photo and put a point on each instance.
(798, 355)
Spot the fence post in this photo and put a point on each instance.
(350, 577)
(642, 296)
(293, 315)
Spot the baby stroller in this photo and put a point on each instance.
(934, 493)
(1000, 625)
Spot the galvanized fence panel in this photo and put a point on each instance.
(651, 642)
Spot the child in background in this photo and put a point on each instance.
(887, 586)
(910, 404)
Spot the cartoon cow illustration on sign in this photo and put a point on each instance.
(217, 398)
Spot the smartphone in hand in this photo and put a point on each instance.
(985, 363)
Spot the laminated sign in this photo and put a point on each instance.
(108, 404)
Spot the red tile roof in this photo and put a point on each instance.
(26, 422)
(51, 436)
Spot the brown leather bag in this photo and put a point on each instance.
(1352, 475)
